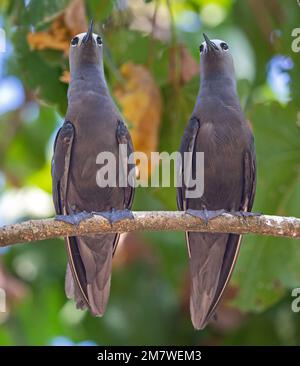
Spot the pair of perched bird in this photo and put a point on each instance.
(93, 124)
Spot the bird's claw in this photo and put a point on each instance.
(204, 214)
(116, 215)
(245, 214)
(74, 219)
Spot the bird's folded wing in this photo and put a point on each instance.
(249, 178)
(217, 260)
(60, 175)
(187, 145)
(212, 256)
(124, 139)
(89, 257)
(60, 165)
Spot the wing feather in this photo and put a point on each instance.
(213, 256)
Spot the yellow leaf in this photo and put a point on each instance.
(63, 27)
(65, 77)
(140, 100)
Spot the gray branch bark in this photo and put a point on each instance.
(34, 230)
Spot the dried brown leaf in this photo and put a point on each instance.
(140, 99)
(132, 248)
(63, 27)
(65, 77)
(182, 66)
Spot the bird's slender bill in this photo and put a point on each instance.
(89, 35)
(210, 45)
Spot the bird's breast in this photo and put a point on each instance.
(223, 149)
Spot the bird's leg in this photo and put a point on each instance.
(74, 218)
(204, 214)
(116, 215)
(119, 215)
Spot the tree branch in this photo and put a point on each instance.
(33, 230)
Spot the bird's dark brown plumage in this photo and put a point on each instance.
(218, 129)
(92, 125)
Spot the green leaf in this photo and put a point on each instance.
(42, 178)
(27, 153)
(100, 10)
(38, 75)
(39, 11)
(123, 46)
(266, 265)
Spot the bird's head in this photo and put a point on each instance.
(86, 49)
(216, 59)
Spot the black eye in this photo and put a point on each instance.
(201, 48)
(224, 46)
(75, 41)
(99, 41)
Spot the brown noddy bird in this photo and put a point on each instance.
(92, 125)
(217, 128)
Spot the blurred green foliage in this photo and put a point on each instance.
(148, 303)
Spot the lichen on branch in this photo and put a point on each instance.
(34, 230)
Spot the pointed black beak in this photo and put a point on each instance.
(210, 45)
(89, 36)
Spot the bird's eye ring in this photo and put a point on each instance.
(74, 41)
(201, 48)
(99, 41)
(224, 46)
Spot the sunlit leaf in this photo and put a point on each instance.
(267, 266)
(141, 104)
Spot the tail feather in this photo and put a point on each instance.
(72, 290)
(212, 257)
(91, 289)
(69, 284)
(207, 252)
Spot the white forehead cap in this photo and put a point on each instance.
(217, 42)
(81, 36)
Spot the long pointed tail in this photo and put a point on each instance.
(89, 273)
(211, 264)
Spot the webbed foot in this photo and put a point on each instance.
(116, 215)
(204, 214)
(74, 219)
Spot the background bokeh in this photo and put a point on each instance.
(151, 64)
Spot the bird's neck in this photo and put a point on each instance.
(86, 80)
(223, 87)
